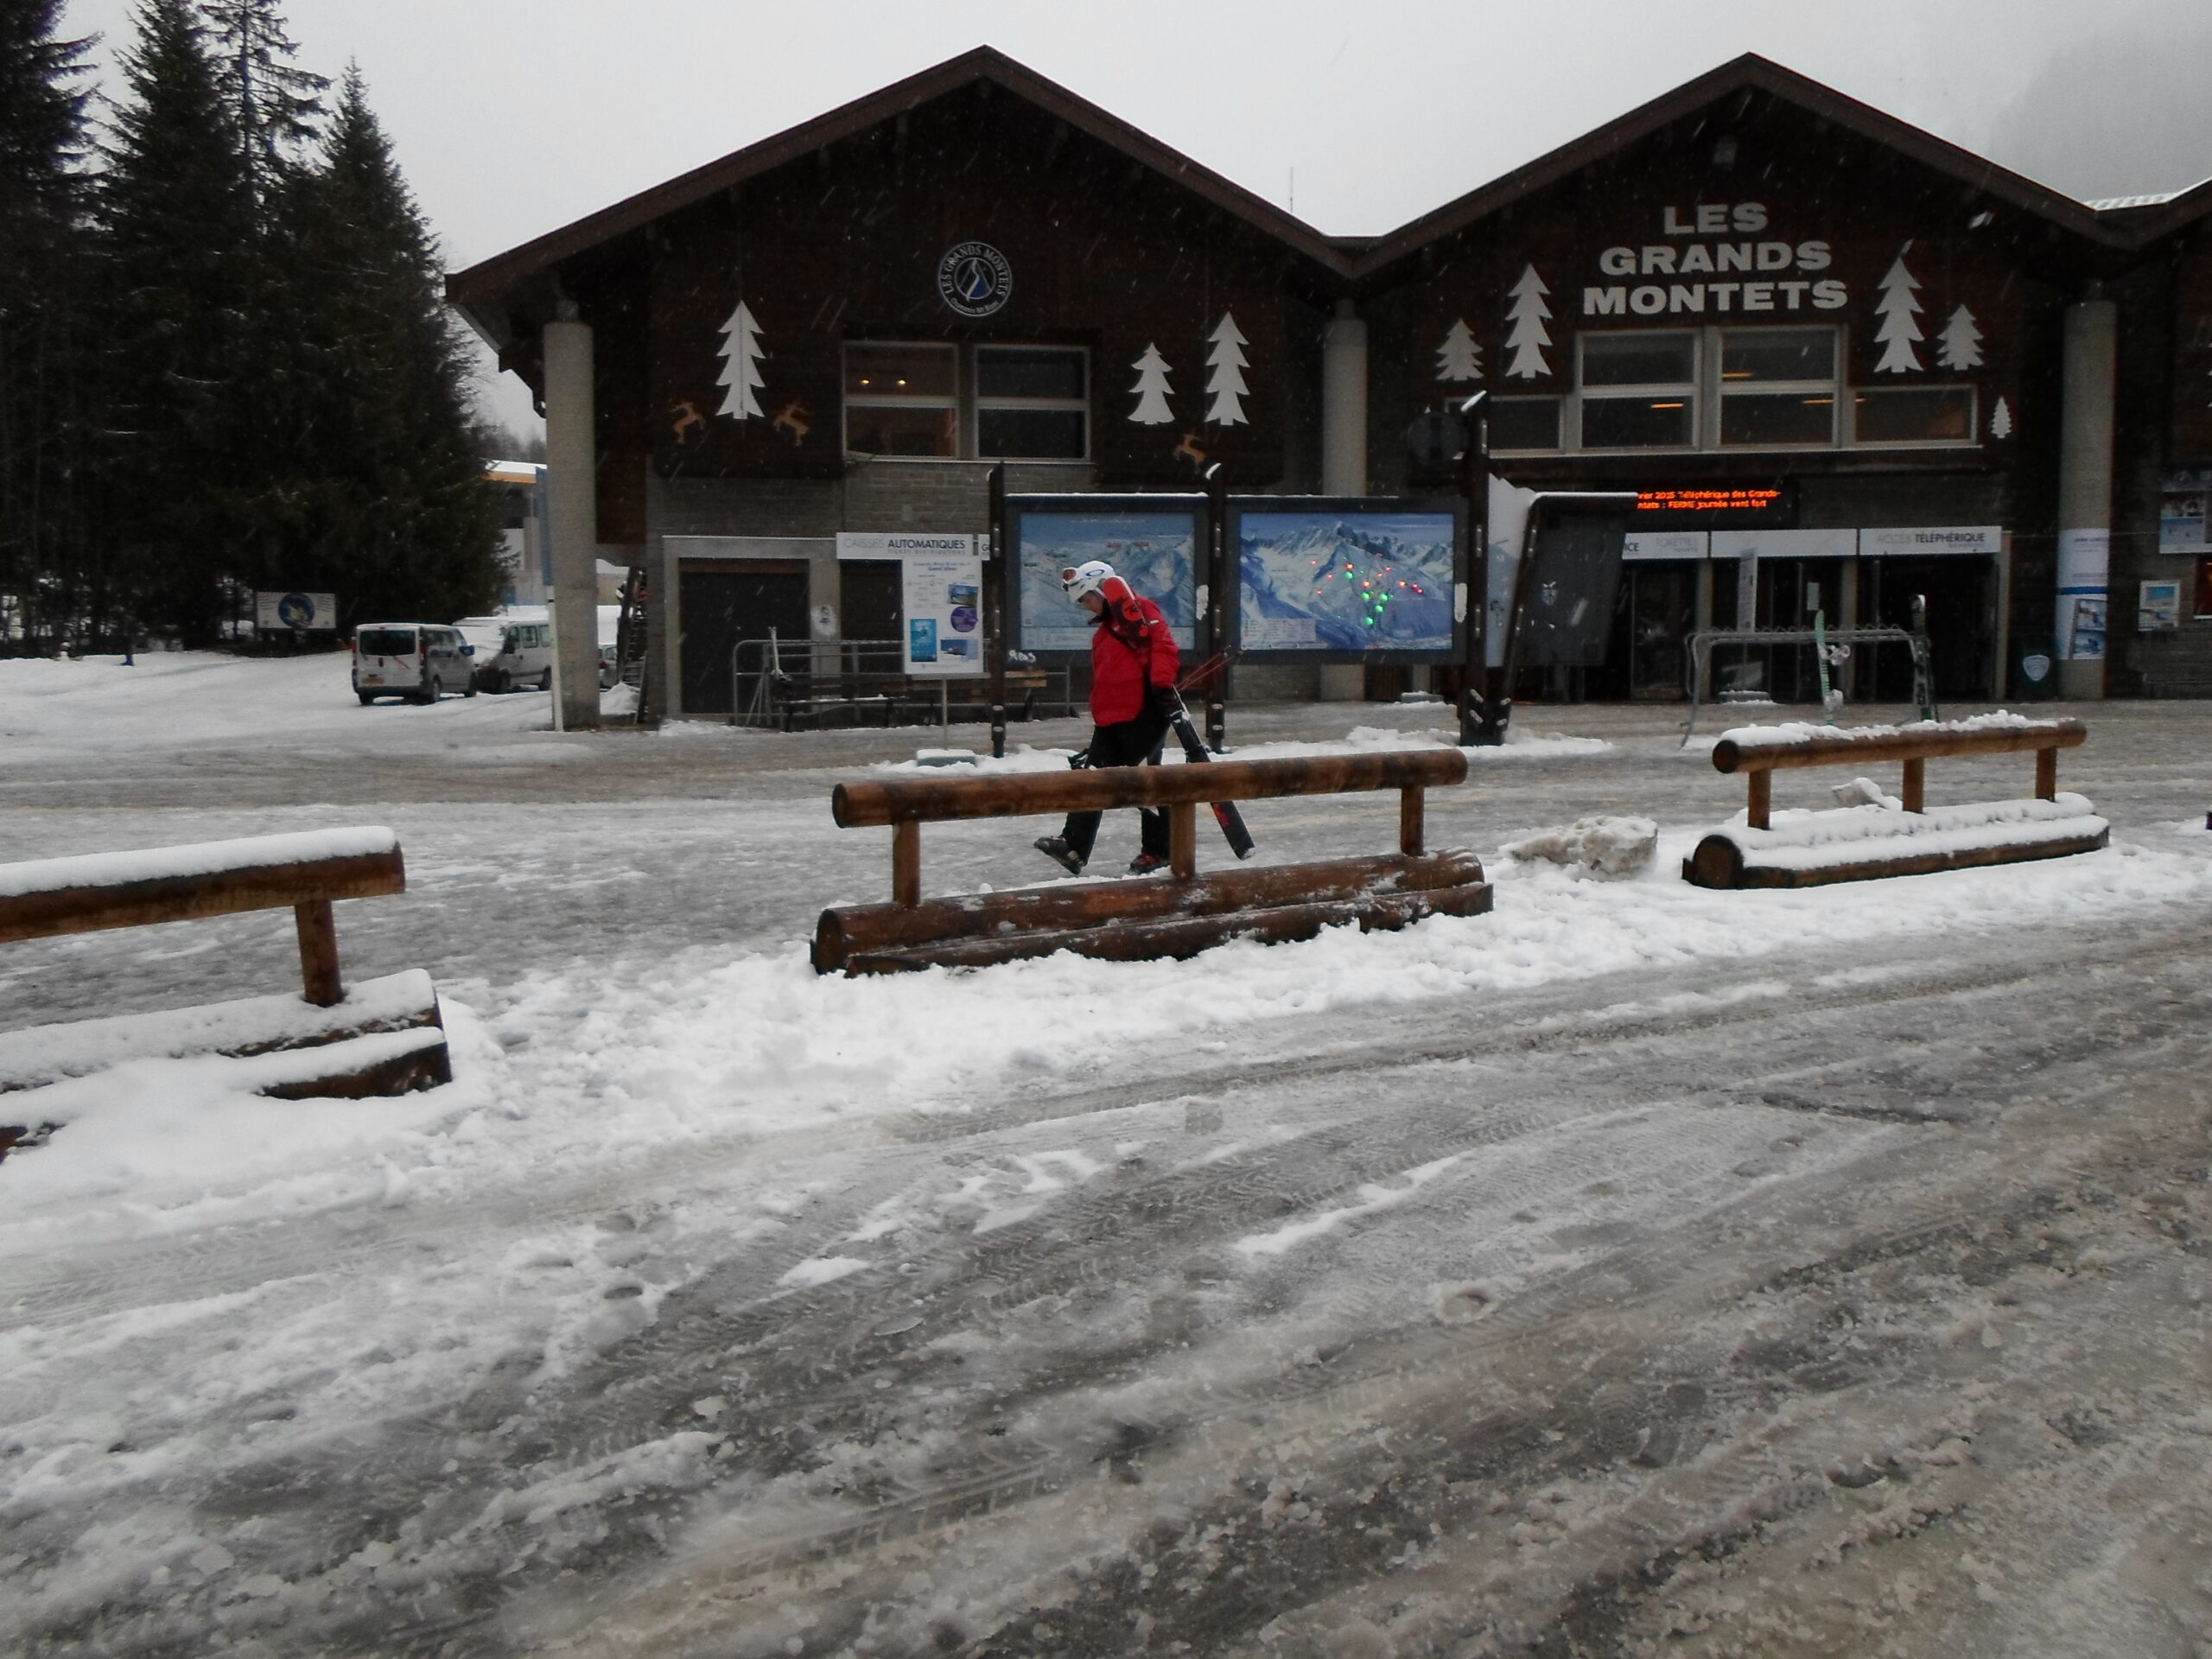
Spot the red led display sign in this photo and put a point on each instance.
(1747, 506)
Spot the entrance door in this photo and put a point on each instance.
(1961, 613)
(726, 603)
(1662, 601)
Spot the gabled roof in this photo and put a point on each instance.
(488, 280)
(1753, 73)
(2153, 217)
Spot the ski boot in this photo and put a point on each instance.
(1145, 863)
(1056, 848)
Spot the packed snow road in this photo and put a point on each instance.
(1634, 1269)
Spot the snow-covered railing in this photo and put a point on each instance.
(1884, 835)
(48, 896)
(1171, 915)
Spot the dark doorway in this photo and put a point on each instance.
(870, 600)
(1960, 614)
(1791, 590)
(1661, 606)
(725, 603)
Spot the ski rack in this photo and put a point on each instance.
(1145, 918)
(1865, 843)
(1701, 645)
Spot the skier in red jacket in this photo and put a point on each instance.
(1133, 664)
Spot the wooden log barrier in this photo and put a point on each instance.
(1173, 915)
(305, 873)
(1829, 848)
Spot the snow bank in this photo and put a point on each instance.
(1600, 846)
(202, 858)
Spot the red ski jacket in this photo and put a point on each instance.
(1131, 651)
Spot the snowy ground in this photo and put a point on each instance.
(1635, 1268)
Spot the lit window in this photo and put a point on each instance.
(1777, 387)
(1639, 391)
(902, 400)
(1915, 415)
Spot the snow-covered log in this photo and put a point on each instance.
(1857, 843)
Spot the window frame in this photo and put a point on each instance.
(1833, 387)
(1692, 390)
(1971, 441)
(966, 402)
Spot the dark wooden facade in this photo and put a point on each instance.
(1748, 197)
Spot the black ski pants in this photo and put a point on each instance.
(1131, 743)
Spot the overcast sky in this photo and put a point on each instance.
(514, 117)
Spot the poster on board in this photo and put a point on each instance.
(301, 612)
(942, 587)
(1345, 578)
(1153, 542)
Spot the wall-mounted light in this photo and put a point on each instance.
(1724, 150)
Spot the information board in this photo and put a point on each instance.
(300, 613)
(1337, 578)
(1152, 541)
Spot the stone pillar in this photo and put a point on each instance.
(571, 471)
(1344, 451)
(2090, 372)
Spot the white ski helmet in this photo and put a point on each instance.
(1086, 578)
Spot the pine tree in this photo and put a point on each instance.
(1527, 339)
(1225, 366)
(175, 323)
(392, 511)
(1459, 358)
(1959, 346)
(275, 105)
(2000, 420)
(45, 484)
(1896, 309)
(1151, 389)
(740, 377)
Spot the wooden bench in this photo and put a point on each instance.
(1176, 914)
(1819, 849)
(306, 872)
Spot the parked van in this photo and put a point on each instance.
(514, 655)
(420, 661)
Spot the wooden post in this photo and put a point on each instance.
(318, 930)
(1762, 796)
(2047, 774)
(1183, 839)
(1412, 812)
(1916, 783)
(906, 862)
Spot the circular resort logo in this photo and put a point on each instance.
(974, 279)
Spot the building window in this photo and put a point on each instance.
(1777, 387)
(902, 400)
(1639, 391)
(992, 402)
(1032, 403)
(1915, 415)
(1524, 424)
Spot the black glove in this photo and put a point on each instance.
(1164, 701)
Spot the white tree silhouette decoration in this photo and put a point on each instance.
(1527, 340)
(1959, 346)
(1458, 358)
(1151, 389)
(741, 376)
(1896, 309)
(1225, 366)
(2000, 420)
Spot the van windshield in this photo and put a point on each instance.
(386, 642)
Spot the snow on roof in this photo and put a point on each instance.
(2157, 199)
(514, 472)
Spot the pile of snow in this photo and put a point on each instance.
(1600, 847)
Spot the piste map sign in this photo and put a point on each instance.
(1720, 506)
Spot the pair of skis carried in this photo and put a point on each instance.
(1195, 751)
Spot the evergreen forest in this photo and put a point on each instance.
(225, 364)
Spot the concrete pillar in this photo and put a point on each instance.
(571, 471)
(1344, 451)
(2090, 372)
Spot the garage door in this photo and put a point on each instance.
(725, 603)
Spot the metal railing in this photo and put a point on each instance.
(779, 685)
(1701, 646)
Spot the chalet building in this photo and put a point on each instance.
(1842, 362)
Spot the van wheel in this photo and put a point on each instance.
(545, 681)
(503, 682)
(437, 688)
(470, 687)
(367, 697)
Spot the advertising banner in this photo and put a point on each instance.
(299, 613)
(1985, 541)
(2084, 566)
(945, 613)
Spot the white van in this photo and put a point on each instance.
(419, 661)
(513, 656)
